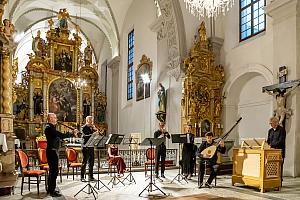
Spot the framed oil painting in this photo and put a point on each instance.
(145, 67)
(63, 58)
(63, 100)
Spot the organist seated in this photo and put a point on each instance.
(210, 157)
(114, 158)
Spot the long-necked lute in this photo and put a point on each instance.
(209, 152)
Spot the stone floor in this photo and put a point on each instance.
(290, 190)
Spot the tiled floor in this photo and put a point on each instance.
(290, 190)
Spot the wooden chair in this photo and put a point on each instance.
(72, 160)
(150, 159)
(26, 172)
(43, 162)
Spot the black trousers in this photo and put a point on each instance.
(160, 155)
(213, 171)
(88, 156)
(52, 157)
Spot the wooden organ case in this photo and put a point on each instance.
(257, 165)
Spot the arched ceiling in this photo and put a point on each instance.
(99, 20)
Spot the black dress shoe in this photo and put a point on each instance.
(200, 185)
(92, 179)
(55, 194)
(208, 185)
(82, 180)
(163, 176)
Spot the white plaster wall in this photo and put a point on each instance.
(135, 116)
(255, 111)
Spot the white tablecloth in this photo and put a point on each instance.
(3, 142)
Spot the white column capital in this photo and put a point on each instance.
(280, 10)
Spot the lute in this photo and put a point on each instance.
(209, 152)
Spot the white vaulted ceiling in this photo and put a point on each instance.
(99, 20)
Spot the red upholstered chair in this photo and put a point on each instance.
(72, 160)
(150, 158)
(24, 162)
(43, 162)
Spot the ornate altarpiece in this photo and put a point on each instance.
(202, 87)
(58, 80)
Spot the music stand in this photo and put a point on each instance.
(91, 189)
(115, 139)
(150, 142)
(130, 141)
(179, 138)
(98, 143)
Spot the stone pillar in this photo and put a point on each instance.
(114, 66)
(217, 44)
(286, 48)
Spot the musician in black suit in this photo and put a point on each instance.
(161, 150)
(88, 152)
(53, 138)
(188, 154)
(210, 162)
(276, 138)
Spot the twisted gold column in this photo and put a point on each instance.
(6, 84)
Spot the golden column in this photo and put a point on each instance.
(7, 45)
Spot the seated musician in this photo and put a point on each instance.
(210, 162)
(115, 159)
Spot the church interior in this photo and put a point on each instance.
(156, 87)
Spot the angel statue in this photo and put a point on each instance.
(63, 17)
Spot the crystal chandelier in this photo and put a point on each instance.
(210, 8)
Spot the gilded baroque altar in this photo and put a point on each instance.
(60, 79)
(202, 88)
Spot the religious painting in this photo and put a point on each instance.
(63, 58)
(63, 100)
(37, 102)
(206, 126)
(143, 72)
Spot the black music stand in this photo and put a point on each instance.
(150, 142)
(94, 140)
(98, 143)
(179, 138)
(115, 139)
(130, 141)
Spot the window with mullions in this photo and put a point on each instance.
(130, 69)
(252, 18)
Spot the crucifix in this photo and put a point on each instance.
(281, 91)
